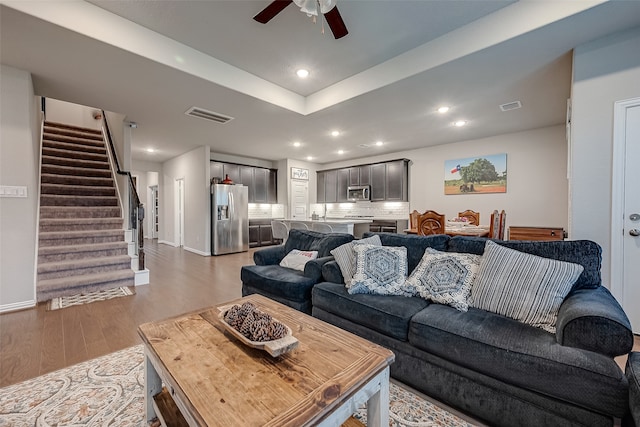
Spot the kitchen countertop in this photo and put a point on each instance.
(334, 220)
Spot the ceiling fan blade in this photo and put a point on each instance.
(338, 28)
(272, 10)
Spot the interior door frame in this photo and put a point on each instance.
(618, 195)
(179, 212)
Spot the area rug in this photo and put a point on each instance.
(68, 301)
(109, 391)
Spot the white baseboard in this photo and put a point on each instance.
(196, 251)
(17, 306)
(165, 242)
(142, 277)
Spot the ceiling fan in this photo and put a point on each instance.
(327, 7)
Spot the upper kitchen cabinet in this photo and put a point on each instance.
(261, 182)
(389, 181)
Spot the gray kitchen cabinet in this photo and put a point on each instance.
(232, 170)
(260, 177)
(364, 175)
(331, 186)
(260, 233)
(343, 183)
(320, 187)
(378, 182)
(354, 175)
(262, 183)
(217, 170)
(247, 178)
(396, 181)
(272, 186)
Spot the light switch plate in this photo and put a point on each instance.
(13, 191)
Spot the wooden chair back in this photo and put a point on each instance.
(472, 217)
(503, 221)
(430, 222)
(413, 219)
(497, 225)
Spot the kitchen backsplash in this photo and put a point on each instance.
(266, 211)
(378, 210)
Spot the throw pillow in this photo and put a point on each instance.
(445, 277)
(380, 270)
(296, 259)
(521, 286)
(346, 257)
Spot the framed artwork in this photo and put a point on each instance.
(476, 175)
(297, 173)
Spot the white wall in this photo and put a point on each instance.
(604, 71)
(536, 177)
(72, 114)
(19, 154)
(194, 168)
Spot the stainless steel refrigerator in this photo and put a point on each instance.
(229, 219)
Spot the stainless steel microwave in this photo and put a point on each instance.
(359, 193)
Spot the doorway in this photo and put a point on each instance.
(299, 199)
(179, 212)
(625, 209)
(153, 217)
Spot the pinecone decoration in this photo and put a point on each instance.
(259, 330)
(276, 330)
(260, 315)
(247, 324)
(247, 308)
(232, 317)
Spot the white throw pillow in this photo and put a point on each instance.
(380, 270)
(521, 286)
(445, 277)
(346, 257)
(296, 259)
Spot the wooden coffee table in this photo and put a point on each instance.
(215, 380)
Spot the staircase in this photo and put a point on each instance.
(81, 239)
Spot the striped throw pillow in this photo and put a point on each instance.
(521, 286)
(346, 257)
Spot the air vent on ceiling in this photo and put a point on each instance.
(364, 145)
(207, 115)
(511, 106)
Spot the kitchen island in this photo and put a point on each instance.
(357, 227)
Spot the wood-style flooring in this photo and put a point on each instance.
(36, 341)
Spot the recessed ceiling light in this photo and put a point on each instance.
(150, 150)
(460, 123)
(309, 158)
(335, 133)
(443, 109)
(340, 151)
(379, 143)
(302, 73)
(296, 144)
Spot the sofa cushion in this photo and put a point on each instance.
(380, 270)
(279, 281)
(296, 259)
(346, 257)
(521, 355)
(307, 240)
(584, 252)
(445, 277)
(524, 287)
(633, 375)
(389, 315)
(415, 244)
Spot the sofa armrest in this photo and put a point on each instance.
(313, 268)
(592, 319)
(331, 272)
(269, 256)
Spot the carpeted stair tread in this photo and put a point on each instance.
(83, 266)
(62, 286)
(48, 254)
(75, 147)
(76, 154)
(75, 162)
(87, 181)
(77, 190)
(51, 128)
(75, 171)
(70, 224)
(72, 200)
(80, 212)
(53, 235)
(65, 126)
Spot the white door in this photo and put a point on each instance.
(153, 212)
(626, 198)
(299, 199)
(180, 212)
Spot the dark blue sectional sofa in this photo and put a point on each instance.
(496, 369)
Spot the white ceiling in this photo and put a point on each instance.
(383, 81)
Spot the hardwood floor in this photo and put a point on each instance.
(36, 341)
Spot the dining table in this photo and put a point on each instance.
(466, 230)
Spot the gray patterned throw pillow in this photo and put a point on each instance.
(346, 257)
(521, 286)
(380, 270)
(445, 277)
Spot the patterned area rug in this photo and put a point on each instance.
(62, 302)
(109, 391)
